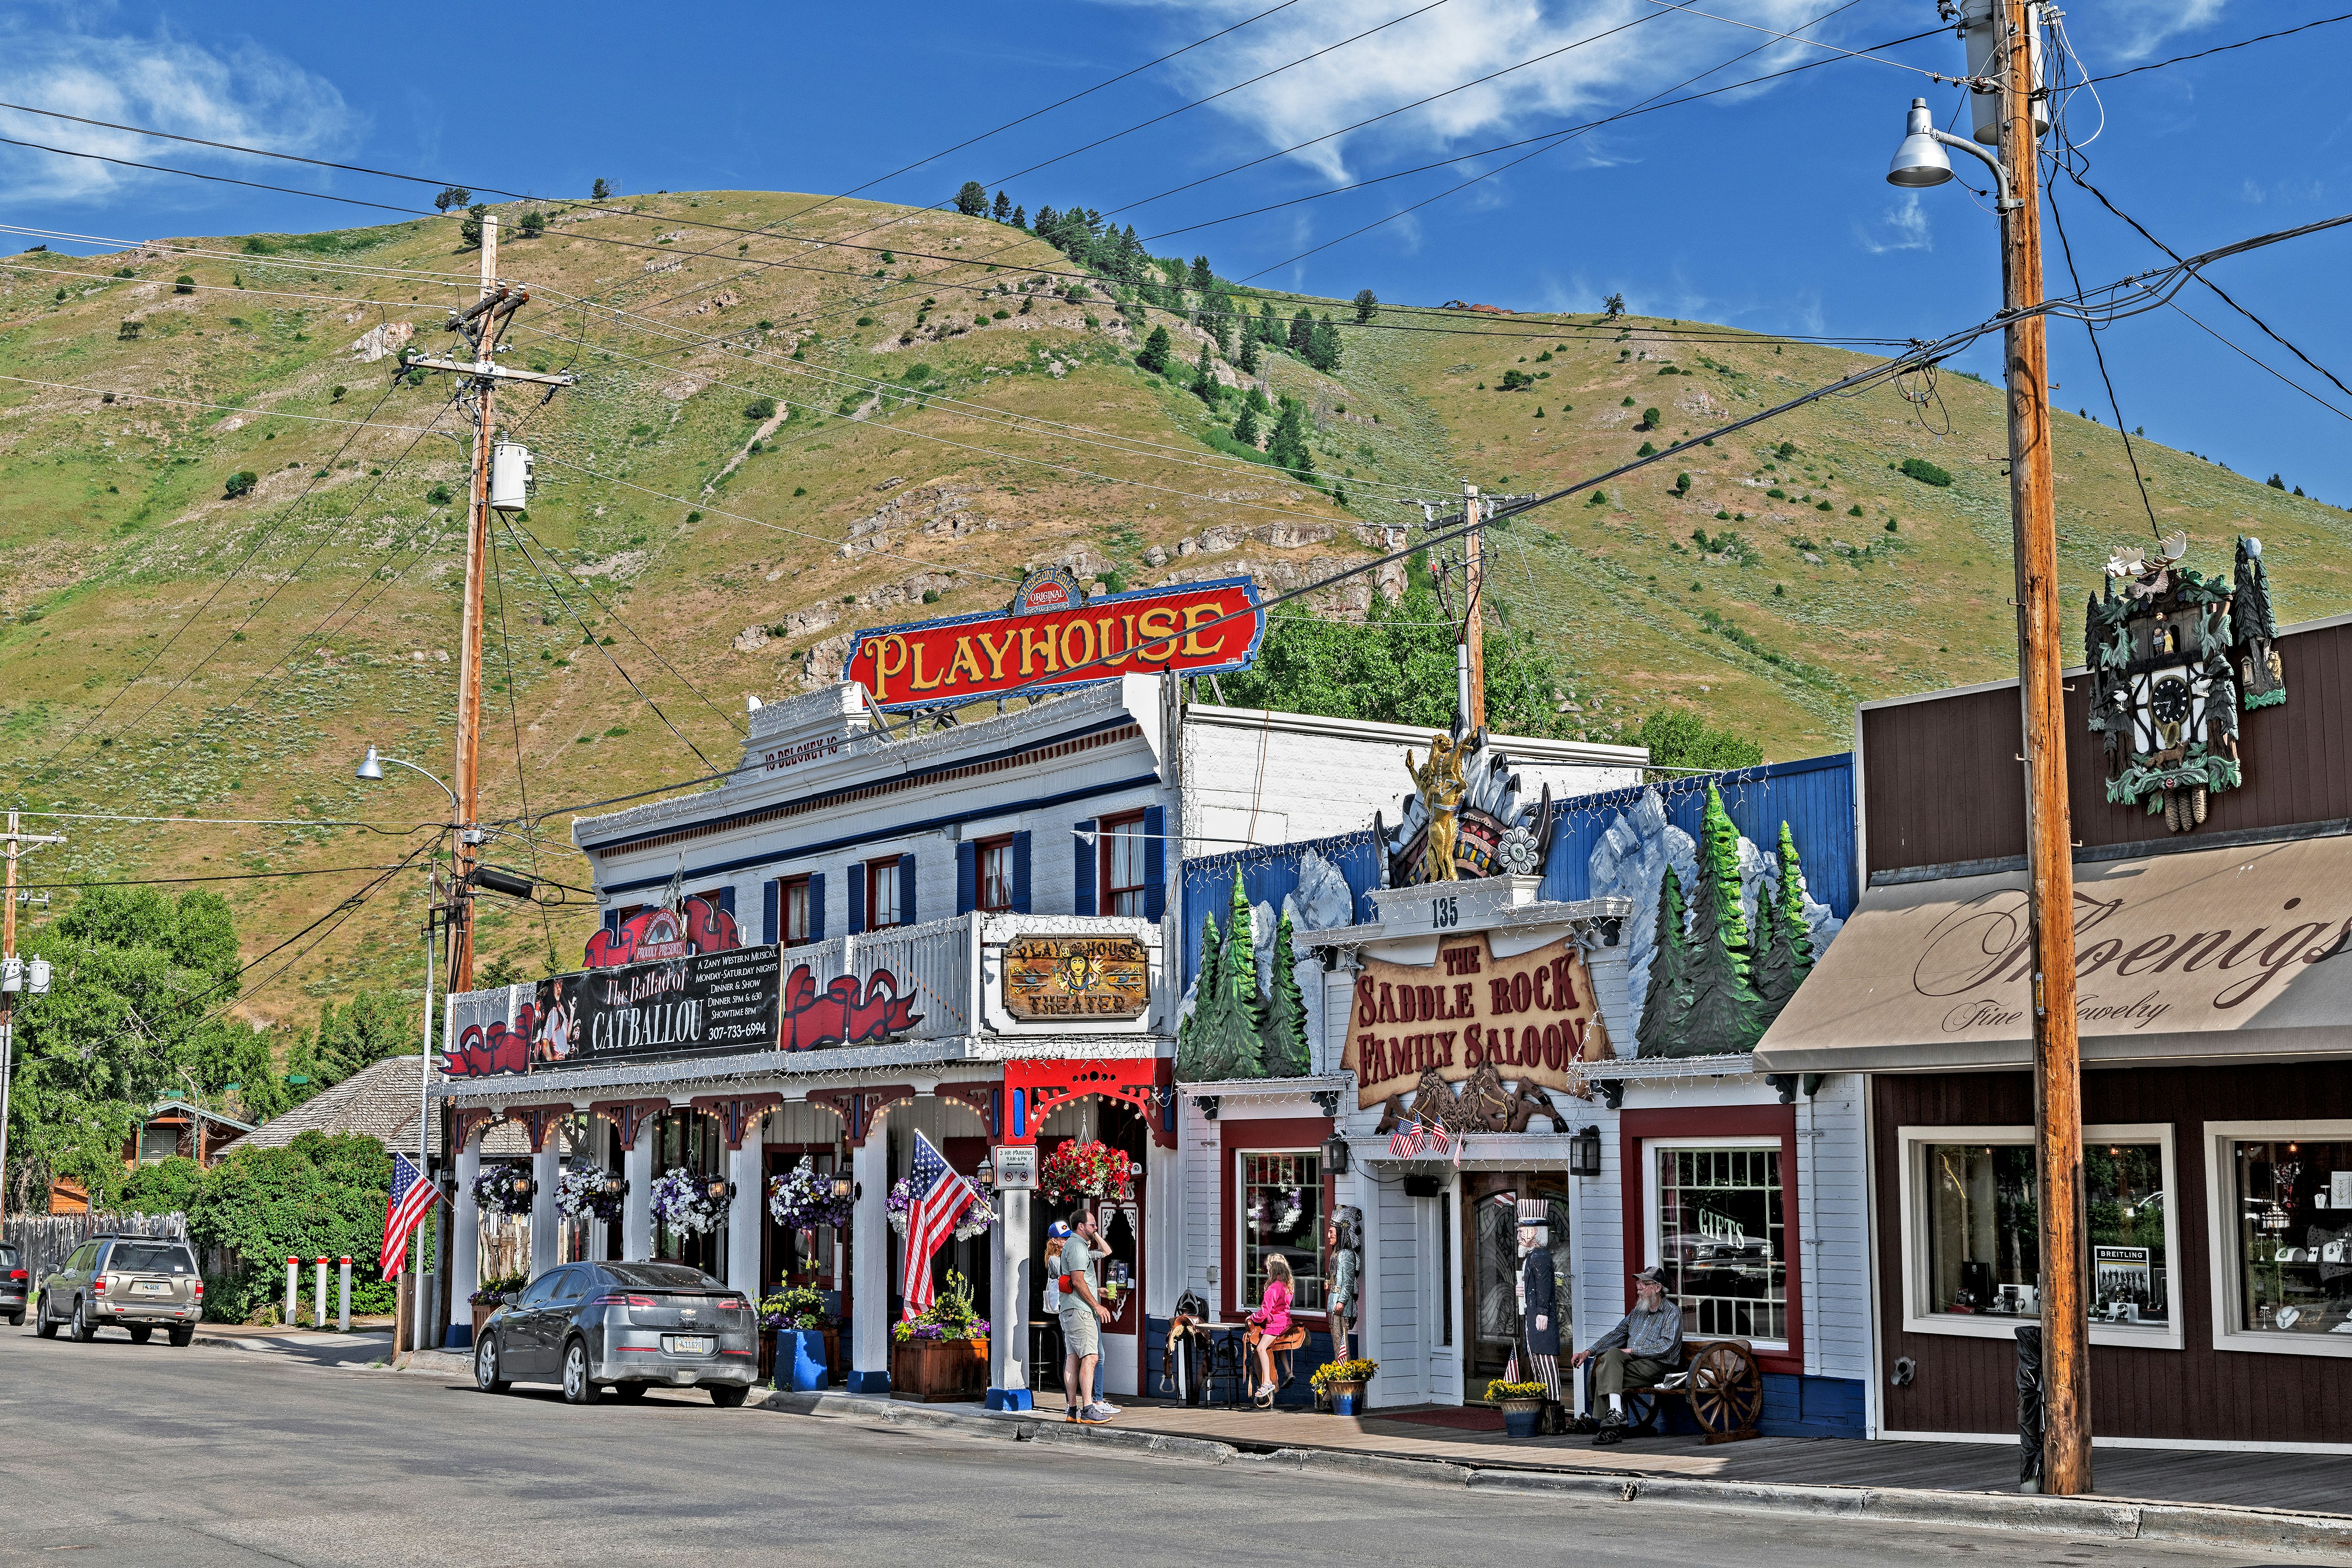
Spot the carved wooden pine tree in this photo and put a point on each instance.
(1785, 948)
(1204, 986)
(1228, 1018)
(1726, 1014)
(1668, 1002)
(1286, 1055)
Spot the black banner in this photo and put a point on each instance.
(709, 1003)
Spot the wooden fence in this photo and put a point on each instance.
(45, 1240)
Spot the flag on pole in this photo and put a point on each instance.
(412, 1195)
(940, 1198)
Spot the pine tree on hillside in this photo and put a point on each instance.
(1726, 1014)
(1785, 946)
(1286, 1054)
(1003, 211)
(1020, 218)
(1302, 332)
(1249, 361)
(1154, 357)
(1323, 346)
(1203, 281)
(601, 192)
(1205, 385)
(1219, 309)
(972, 200)
(1287, 446)
(1367, 305)
(1668, 1002)
(1046, 221)
(1246, 429)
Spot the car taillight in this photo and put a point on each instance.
(200, 1290)
(624, 1301)
(730, 1304)
(99, 1285)
(17, 1274)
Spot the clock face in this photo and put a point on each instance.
(2168, 708)
(2169, 700)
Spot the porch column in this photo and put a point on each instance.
(870, 1361)
(744, 1216)
(464, 1243)
(546, 1220)
(637, 1203)
(1008, 1306)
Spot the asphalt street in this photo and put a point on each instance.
(212, 1455)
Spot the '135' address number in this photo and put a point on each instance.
(1443, 915)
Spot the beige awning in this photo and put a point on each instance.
(2208, 955)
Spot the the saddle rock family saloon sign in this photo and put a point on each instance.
(1053, 636)
(1532, 1017)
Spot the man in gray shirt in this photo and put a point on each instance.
(1083, 1317)
(1639, 1353)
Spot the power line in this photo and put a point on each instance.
(2218, 48)
(387, 828)
(225, 877)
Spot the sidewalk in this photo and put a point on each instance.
(2273, 1501)
(362, 1347)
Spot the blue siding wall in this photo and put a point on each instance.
(1814, 797)
(1269, 874)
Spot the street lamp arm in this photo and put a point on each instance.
(2008, 193)
(372, 769)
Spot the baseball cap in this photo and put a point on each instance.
(1654, 1275)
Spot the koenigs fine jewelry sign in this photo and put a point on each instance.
(1077, 977)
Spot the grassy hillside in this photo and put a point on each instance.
(165, 649)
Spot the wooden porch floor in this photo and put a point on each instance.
(2305, 1483)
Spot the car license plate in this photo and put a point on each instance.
(148, 1287)
(689, 1344)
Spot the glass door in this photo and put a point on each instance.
(1490, 1278)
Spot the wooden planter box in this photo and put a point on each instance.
(938, 1371)
(482, 1311)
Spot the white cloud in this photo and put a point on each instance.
(242, 93)
(2134, 29)
(1903, 227)
(1623, 50)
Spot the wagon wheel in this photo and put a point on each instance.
(1726, 1391)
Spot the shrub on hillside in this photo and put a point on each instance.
(760, 408)
(239, 483)
(183, 284)
(1926, 472)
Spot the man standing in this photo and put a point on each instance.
(1639, 1353)
(1539, 1310)
(1083, 1317)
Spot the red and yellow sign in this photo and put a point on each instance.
(1532, 1018)
(1198, 629)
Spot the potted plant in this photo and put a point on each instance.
(494, 1294)
(1522, 1405)
(1089, 1170)
(1343, 1382)
(802, 1199)
(796, 1347)
(941, 1352)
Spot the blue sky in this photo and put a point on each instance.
(1765, 207)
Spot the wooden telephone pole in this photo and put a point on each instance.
(2049, 852)
(17, 841)
(1474, 636)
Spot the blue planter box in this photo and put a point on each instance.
(1343, 1404)
(1520, 1423)
(800, 1360)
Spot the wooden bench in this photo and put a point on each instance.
(1720, 1381)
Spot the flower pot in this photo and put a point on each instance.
(939, 1370)
(801, 1362)
(1521, 1417)
(1348, 1397)
(482, 1311)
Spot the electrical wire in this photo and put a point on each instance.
(2220, 48)
(386, 828)
(225, 877)
(514, 722)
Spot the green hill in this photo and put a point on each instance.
(167, 649)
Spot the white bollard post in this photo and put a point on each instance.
(293, 1288)
(319, 1295)
(343, 1312)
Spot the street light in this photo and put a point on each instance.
(371, 769)
(1920, 162)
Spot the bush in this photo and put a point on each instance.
(183, 284)
(534, 224)
(439, 494)
(760, 408)
(128, 331)
(1682, 484)
(239, 483)
(1926, 472)
(337, 396)
(1652, 419)
(320, 1195)
(862, 320)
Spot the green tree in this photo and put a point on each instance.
(469, 232)
(1154, 357)
(1681, 743)
(1223, 1037)
(1249, 361)
(457, 197)
(1205, 385)
(1204, 281)
(1288, 445)
(1614, 305)
(320, 1195)
(1302, 332)
(971, 199)
(1287, 1053)
(1003, 211)
(1726, 1014)
(1220, 312)
(600, 192)
(1786, 945)
(1246, 424)
(239, 483)
(534, 224)
(1269, 325)
(167, 1186)
(1667, 1005)
(1367, 305)
(1323, 346)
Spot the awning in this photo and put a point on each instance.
(2208, 955)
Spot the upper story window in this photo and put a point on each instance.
(993, 858)
(793, 922)
(1121, 841)
(883, 902)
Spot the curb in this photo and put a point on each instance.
(2100, 1518)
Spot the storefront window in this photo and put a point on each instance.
(1721, 1240)
(2295, 1237)
(1282, 1213)
(994, 858)
(1984, 1231)
(1123, 880)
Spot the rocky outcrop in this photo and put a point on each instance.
(380, 341)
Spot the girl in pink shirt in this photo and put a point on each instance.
(1270, 1323)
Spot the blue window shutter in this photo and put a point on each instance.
(612, 920)
(727, 897)
(1155, 863)
(816, 906)
(769, 911)
(967, 878)
(1020, 872)
(905, 890)
(1086, 854)
(856, 899)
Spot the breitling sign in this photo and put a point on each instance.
(1077, 977)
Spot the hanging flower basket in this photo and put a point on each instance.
(495, 1193)
(581, 1194)
(1089, 1170)
(977, 1220)
(682, 1200)
(800, 1199)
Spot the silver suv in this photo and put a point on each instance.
(138, 1281)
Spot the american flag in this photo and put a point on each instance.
(940, 1199)
(412, 1195)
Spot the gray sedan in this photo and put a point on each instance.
(628, 1326)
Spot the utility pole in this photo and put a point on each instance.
(1474, 637)
(482, 326)
(2049, 852)
(10, 979)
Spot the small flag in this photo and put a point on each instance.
(940, 1196)
(1405, 1141)
(412, 1195)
